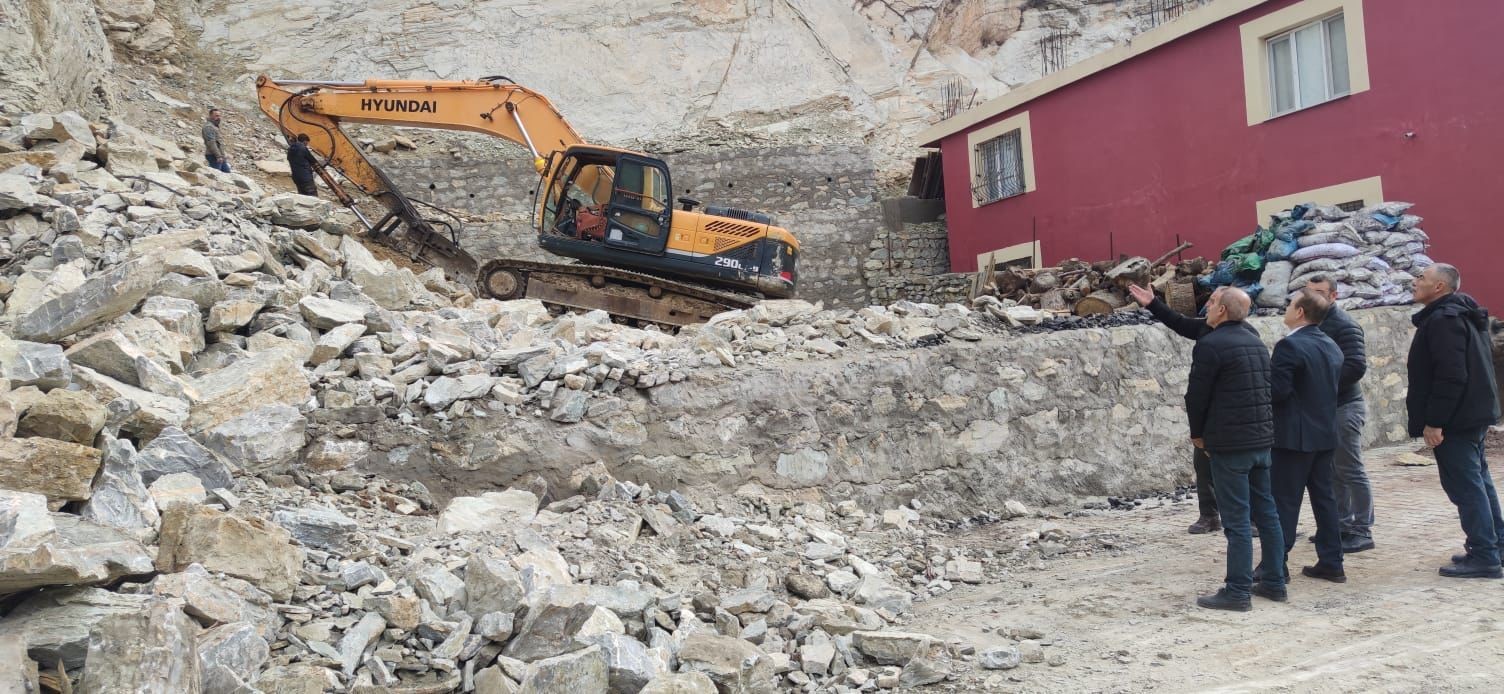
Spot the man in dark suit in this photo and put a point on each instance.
(1354, 493)
(1189, 328)
(1305, 371)
(1227, 401)
(1452, 403)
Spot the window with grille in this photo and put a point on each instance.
(1351, 206)
(1000, 168)
(1308, 65)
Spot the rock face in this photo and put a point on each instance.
(61, 471)
(252, 549)
(153, 651)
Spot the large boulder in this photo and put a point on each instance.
(59, 470)
(150, 651)
(270, 377)
(181, 318)
(73, 552)
(120, 499)
(104, 296)
(446, 390)
(320, 528)
(18, 673)
(733, 664)
(173, 451)
(680, 683)
(267, 438)
(293, 210)
(581, 671)
(33, 364)
(218, 599)
(65, 415)
(326, 314)
(248, 548)
(17, 193)
(150, 413)
(231, 655)
(56, 623)
(491, 584)
(110, 353)
(506, 510)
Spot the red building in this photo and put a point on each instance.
(1199, 128)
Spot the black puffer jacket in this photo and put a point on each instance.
(1451, 367)
(1228, 399)
(1349, 338)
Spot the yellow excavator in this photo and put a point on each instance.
(608, 209)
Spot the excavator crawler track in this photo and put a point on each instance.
(621, 293)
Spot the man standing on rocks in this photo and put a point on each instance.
(214, 147)
(1354, 493)
(301, 161)
(1452, 403)
(1305, 371)
(1231, 415)
(1191, 329)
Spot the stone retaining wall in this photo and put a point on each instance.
(1042, 418)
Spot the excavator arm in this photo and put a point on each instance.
(493, 106)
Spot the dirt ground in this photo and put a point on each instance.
(1124, 619)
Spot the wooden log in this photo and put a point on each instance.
(1163, 281)
(1181, 296)
(1044, 281)
(1172, 251)
(1100, 302)
(1053, 300)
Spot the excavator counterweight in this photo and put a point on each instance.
(608, 209)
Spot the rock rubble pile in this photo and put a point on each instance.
(175, 517)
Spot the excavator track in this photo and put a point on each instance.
(621, 293)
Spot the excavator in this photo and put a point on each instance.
(635, 256)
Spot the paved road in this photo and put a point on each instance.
(1127, 623)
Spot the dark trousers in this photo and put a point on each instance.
(217, 163)
(1295, 473)
(1244, 496)
(1465, 477)
(1206, 496)
(306, 186)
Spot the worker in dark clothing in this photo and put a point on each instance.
(301, 160)
(1304, 373)
(1190, 329)
(1452, 403)
(1228, 403)
(1354, 493)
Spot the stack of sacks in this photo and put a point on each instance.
(1373, 254)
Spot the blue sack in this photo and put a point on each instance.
(1282, 249)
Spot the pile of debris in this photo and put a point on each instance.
(1076, 287)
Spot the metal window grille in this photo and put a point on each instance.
(1000, 168)
(1352, 206)
(1052, 51)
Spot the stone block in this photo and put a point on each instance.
(267, 438)
(73, 552)
(329, 455)
(102, 297)
(110, 353)
(59, 470)
(65, 415)
(247, 548)
(34, 364)
(151, 651)
(272, 377)
(230, 656)
(149, 414)
(55, 622)
(507, 510)
(174, 451)
(292, 210)
(120, 499)
(326, 314)
(729, 662)
(580, 671)
(177, 489)
(320, 528)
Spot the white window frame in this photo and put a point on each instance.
(991, 185)
(1329, 88)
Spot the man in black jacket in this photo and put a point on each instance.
(1227, 401)
(1452, 403)
(301, 160)
(1305, 371)
(1190, 329)
(1354, 493)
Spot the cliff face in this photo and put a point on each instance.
(682, 73)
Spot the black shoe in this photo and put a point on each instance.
(1471, 568)
(1258, 573)
(1221, 600)
(1319, 571)
(1271, 593)
(1206, 524)
(1353, 544)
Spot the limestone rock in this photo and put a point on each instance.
(272, 377)
(292, 210)
(148, 652)
(104, 296)
(580, 671)
(891, 647)
(189, 263)
(326, 314)
(506, 510)
(55, 623)
(120, 499)
(150, 413)
(64, 415)
(76, 552)
(999, 658)
(58, 470)
(267, 438)
(319, 528)
(110, 353)
(353, 644)
(24, 520)
(733, 664)
(447, 390)
(493, 680)
(17, 672)
(680, 683)
(334, 343)
(329, 455)
(495, 626)
(440, 587)
(218, 599)
(248, 548)
(232, 315)
(400, 611)
(33, 364)
(17, 193)
(550, 632)
(298, 679)
(177, 489)
(173, 451)
(230, 655)
(170, 331)
(630, 665)
(492, 585)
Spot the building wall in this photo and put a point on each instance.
(1159, 146)
(826, 196)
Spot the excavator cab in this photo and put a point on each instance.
(603, 196)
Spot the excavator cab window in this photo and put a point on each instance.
(639, 212)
